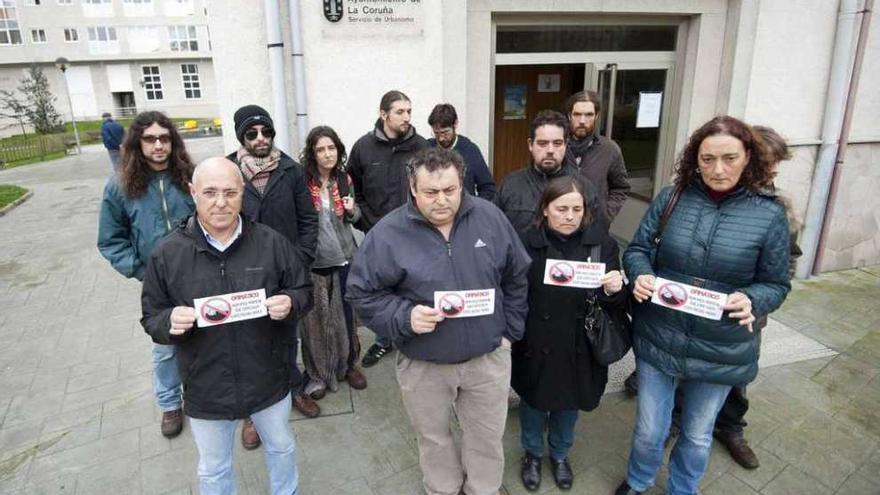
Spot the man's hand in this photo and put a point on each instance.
(505, 344)
(644, 287)
(612, 282)
(740, 307)
(182, 319)
(424, 319)
(279, 306)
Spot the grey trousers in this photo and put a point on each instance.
(477, 390)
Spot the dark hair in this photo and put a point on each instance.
(548, 117)
(558, 187)
(310, 160)
(443, 115)
(134, 171)
(390, 97)
(434, 159)
(757, 172)
(583, 96)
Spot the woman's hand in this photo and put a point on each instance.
(612, 282)
(740, 307)
(348, 203)
(644, 287)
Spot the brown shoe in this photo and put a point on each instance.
(172, 423)
(739, 449)
(250, 439)
(308, 407)
(355, 378)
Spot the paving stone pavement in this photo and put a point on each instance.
(77, 414)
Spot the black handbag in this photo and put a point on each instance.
(609, 334)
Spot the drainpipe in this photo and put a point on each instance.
(299, 73)
(835, 102)
(276, 74)
(844, 131)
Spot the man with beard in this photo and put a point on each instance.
(597, 157)
(276, 194)
(142, 203)
(520, 191)
(377, 166)
(444, 125)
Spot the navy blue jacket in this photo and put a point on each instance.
(404, 259)
(477, 178)
(112, 133)
(740, 244)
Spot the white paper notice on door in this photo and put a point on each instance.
(649, 109)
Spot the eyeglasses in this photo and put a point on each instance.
(148, 139)
(267, 133)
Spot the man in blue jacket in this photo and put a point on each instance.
(444, 125)
(112, 133)
(451, 354)
(141, 205)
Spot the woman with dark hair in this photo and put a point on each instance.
(329, 342)
(553, 370)
(718, 229)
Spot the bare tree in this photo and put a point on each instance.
(12, 107)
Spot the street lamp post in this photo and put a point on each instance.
(62, 63)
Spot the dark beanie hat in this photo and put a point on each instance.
(249, 116)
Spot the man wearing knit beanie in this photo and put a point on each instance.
(276, 194)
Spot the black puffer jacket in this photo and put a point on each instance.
(232, 370)
(285, 205)
(377, 166)
(553, 369)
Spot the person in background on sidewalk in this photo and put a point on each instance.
(141, 204)
(232, 369)
(727, 234)
(444, 240)
(377, 166)
(554, 372)
(330, 343)
(444, 125)
(276, 195)
(112, 134)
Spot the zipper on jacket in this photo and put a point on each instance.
(449, 249)
(164, 205)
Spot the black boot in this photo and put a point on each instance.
(530, 472)
(562, 473)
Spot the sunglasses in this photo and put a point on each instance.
(267, 133)
(148, 139)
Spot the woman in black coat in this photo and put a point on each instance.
(553, 370)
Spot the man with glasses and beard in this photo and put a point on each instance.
(142, 203)
(276, 194)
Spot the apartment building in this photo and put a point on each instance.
(125, 56)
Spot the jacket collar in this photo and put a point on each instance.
(191, 229)
(379, 134)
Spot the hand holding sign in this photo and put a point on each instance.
(279, 306)
(612, 282)
(424, 319)
(643, 289)
(182, 319)
(740, 307)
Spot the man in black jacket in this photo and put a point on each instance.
(377, 166)
(276, 194)
(232, 365)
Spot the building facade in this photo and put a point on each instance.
(125, 56)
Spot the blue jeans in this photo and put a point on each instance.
(690, 456)
(114, 160)
(560, 435)
(215, 440)
(166, 379)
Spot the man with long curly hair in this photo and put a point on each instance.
(142, 203)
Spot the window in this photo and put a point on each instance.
(38, 35)
(143, 39)
(137, 1)
(71, 35)
(65, 2)
(192, 87)
(32, 2)
(96, 2)
(152, 82)
(589, 38)
(102, 33)
(102, 40)
(10, 34)
(183, 38)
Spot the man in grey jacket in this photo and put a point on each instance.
(444, 278)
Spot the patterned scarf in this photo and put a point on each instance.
(257, 170)
(315, 189)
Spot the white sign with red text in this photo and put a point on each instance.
(465, 303)
(577, 274)
(227, 308)
(689, 299)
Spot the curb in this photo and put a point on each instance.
(6, 209)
